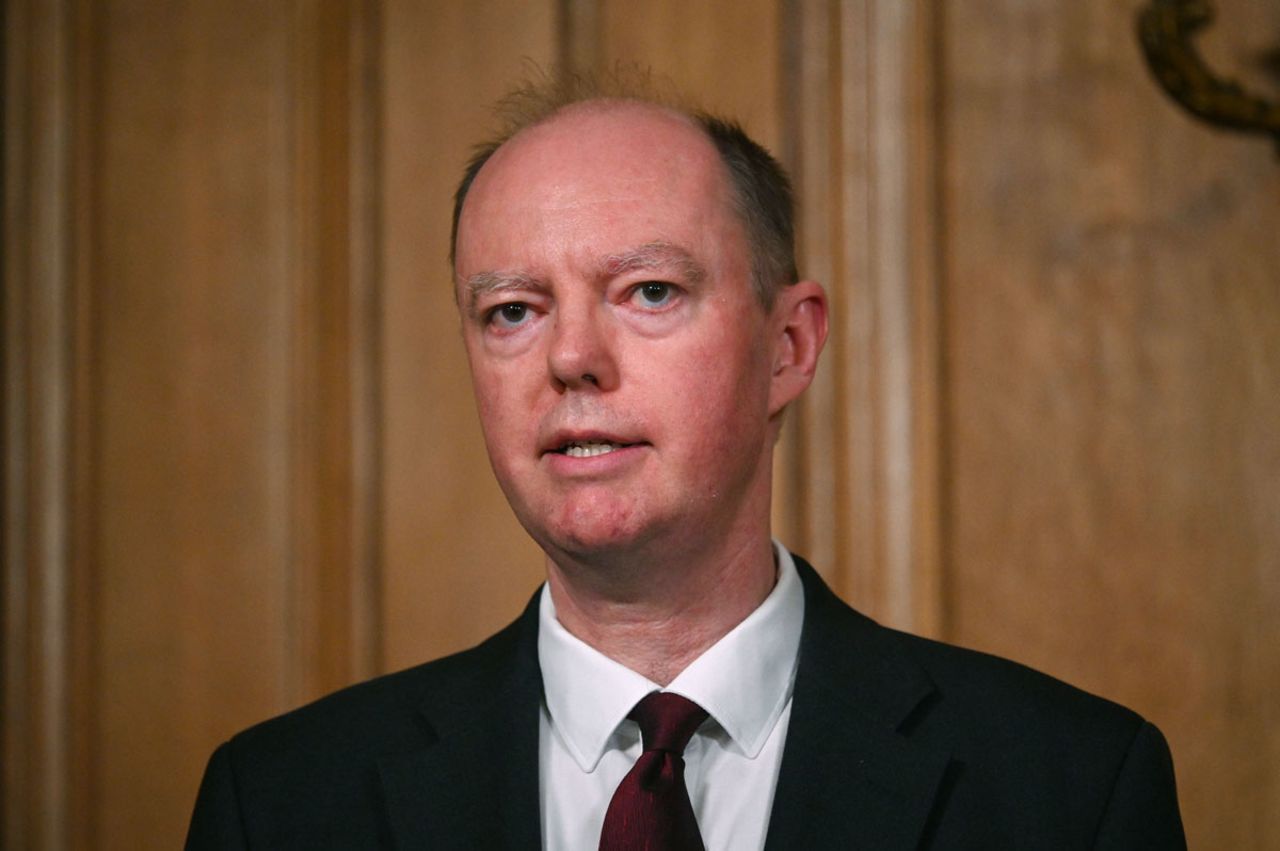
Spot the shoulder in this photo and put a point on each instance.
(995, 700)
(1043, 754)
(389, 712)
(922, 682)
(311, 777)
(1026, 754)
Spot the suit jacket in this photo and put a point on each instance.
(895, 742)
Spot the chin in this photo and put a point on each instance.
(585, 541)
(587, 535)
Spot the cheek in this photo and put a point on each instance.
(724, 405)
(487, 395)
(497, 412)
(501, 384)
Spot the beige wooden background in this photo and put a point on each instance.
(240, 459)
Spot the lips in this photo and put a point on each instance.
(590, 449)
(588, 445)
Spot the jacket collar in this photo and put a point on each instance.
(851, 777)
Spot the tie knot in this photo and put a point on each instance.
(667, 721)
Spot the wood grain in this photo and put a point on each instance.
(865, 444)
(728, 55)
(334, 348)
(42, 307)
(1113, 369)
(192, 488)
(187, 517)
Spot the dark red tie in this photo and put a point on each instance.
(651, 809)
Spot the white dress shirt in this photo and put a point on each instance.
(744, 681)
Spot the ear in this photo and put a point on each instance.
(798, 324)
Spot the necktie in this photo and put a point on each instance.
(651, 811)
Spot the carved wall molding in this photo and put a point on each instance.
(191, 337)
(861, 457)
(1165, 29)
(46, 402)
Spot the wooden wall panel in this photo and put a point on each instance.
(334, 334)
(729, 55)
(43, 309)
(863, 462)
(190, 342)
(1113, 386)
(194, 385)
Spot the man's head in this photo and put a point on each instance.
(629, 376)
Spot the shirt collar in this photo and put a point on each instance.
(744, 680)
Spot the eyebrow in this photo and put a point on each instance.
(651, 256)
(484, 283)
(655, 256)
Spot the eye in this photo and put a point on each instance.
(509, 315)
(654, 294)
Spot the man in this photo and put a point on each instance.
(636, 330)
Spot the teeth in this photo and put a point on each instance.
(589, 450)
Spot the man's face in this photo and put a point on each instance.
(620, 360)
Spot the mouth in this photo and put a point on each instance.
(589, 448)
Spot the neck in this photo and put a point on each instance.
(657, 616)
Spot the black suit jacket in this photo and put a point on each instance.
(895, 742)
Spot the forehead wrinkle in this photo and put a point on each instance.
(653, 256)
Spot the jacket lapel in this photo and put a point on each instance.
(850, 776)
(475, 782)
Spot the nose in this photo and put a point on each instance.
(582, 354)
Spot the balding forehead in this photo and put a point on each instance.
(605, 149)
(574, 124)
